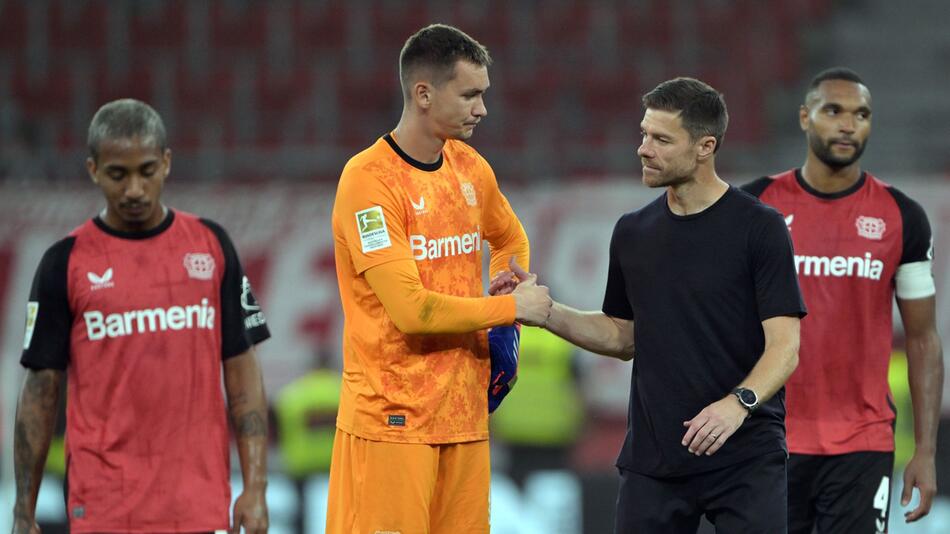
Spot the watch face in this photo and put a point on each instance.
(747, 396)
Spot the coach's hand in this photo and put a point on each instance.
(250, 511)
(707, 432)
(532, 302)
(921, 472)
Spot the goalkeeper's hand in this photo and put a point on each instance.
(503, 347)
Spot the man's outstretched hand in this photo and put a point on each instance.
(532, 302)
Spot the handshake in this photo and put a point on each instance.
(532, 307)
(532, 302)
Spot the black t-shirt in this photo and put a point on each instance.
(698, 288)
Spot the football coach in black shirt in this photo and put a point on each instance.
(702, 295)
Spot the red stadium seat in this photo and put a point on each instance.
(558, 91)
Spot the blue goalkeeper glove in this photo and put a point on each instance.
(503, 348)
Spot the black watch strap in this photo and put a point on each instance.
(747, 398)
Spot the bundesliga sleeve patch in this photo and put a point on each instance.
(32, 309)
(372, 228)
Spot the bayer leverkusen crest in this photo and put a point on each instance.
(468, 191)
(870, 227)
(200, 265)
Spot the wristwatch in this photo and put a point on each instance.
(747, 398)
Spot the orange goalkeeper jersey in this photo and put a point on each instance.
(424, 387)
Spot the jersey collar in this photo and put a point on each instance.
(428, 167)
(829, 196)
(169, 219)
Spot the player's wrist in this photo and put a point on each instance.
(255, 491)
(22, 509)
(737, 409)
(747, 399)
(555, 312)
(22, 520)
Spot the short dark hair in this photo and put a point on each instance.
(438, 47)
(702, 108)
(124, 119)
(834, 73)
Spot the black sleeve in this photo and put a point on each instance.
(757, 187)
(242, 321)
(48, 317)
(773, 268)
(616, 303)
(917, 237)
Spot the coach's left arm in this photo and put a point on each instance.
(708, 431)
(247, 405)
(925, 374)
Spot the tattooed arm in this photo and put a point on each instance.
(248, 407)
(35, 419)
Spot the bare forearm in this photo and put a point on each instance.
(778, 360)
(593, 331)
(247, 405)
(925, 374)
(771, 372)
(33, 431)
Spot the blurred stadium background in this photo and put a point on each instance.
(265, 102)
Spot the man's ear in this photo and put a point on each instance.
(422, 94)
(167, 157)
(91, 169)
(706, 147)
(803, 120)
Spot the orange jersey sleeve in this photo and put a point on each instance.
(502, 227)
(416, 310)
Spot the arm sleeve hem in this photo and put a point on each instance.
(770, 314)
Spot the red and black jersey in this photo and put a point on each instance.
(848, 247)
(141, 323)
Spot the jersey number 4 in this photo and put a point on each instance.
(881, 501)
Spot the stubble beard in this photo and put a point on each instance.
(822, 150)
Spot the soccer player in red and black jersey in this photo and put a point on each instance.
(138, 310)
(858, 242)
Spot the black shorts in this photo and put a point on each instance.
(840, 493)
(746, 498)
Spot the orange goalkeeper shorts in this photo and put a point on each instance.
(378, 487)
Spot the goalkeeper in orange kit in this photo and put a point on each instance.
(411, 218)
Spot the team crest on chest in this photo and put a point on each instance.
(870, 227)
(200, 265)
(468, 191)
